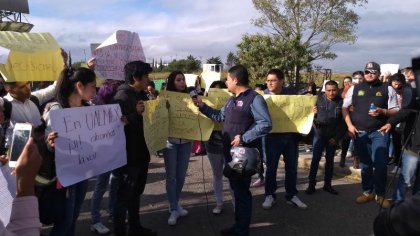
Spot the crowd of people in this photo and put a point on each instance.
(363, 117)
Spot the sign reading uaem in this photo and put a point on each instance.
(116, 51)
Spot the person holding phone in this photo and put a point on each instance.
(24, 218)
(75, 87)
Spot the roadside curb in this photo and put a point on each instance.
(347, 172)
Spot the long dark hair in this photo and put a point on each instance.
(67, 81)
(170, 86)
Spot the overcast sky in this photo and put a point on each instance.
(388, 31)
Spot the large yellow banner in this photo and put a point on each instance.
(291, 113)
(156, 124)
(185, 120)
(29, 57)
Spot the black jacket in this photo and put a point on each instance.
(328, 121)
(137, 152)
(410, 117)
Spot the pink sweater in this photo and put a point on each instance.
(24, 220)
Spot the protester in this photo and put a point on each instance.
(345, 141)
(329, 129)
(246, 120)
(176, 156)
(409, 176)
(24, 218)
(214, 148)
(104, 96)
(372, 103)
(75, 87)
(133, 176)
(152, 93)
(276, 144)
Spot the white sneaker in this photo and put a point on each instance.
(173, 218)
(218, 209)
(268, 202)
(182, 211)
(348, 155)
(99, 228)
(307, 149)
(297, 202)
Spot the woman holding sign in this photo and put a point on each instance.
(75, 87)
(176, 156)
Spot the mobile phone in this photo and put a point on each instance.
(21, 134)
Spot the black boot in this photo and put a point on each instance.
(329, 188)
(310, 189)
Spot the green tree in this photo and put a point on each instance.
(312, 25)
(231, 59)
(188, 65)
(260, 53)
(214, 60)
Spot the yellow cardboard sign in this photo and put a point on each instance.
(219, 98)
(156, 124)
(291, 113)
(32, 57)
(185, 120)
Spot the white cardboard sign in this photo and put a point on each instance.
(116, 51)
(90, 141)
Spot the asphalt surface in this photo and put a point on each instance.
(326, 214)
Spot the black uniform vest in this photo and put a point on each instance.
(364, 95)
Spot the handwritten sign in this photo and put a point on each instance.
(185, 121)
(32, 57)
(119, 49)
(156, 124)
(291, 113)
(90, 142)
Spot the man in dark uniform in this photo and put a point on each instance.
(373, 102)
(246, 120)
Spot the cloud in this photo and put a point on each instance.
(387, 32)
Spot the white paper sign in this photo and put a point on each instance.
(112, 55)
(391, 68)
(90, 141)
(190, 79)
(7, 193)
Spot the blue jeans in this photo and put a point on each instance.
(410, 170)
(176, 158)
(372, 149)
(274, 145)
(319, 143)
(101, 185)
(243, 204)
(74, 199)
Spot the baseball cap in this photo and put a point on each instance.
(372, 67)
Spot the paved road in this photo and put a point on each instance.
(327, 214)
